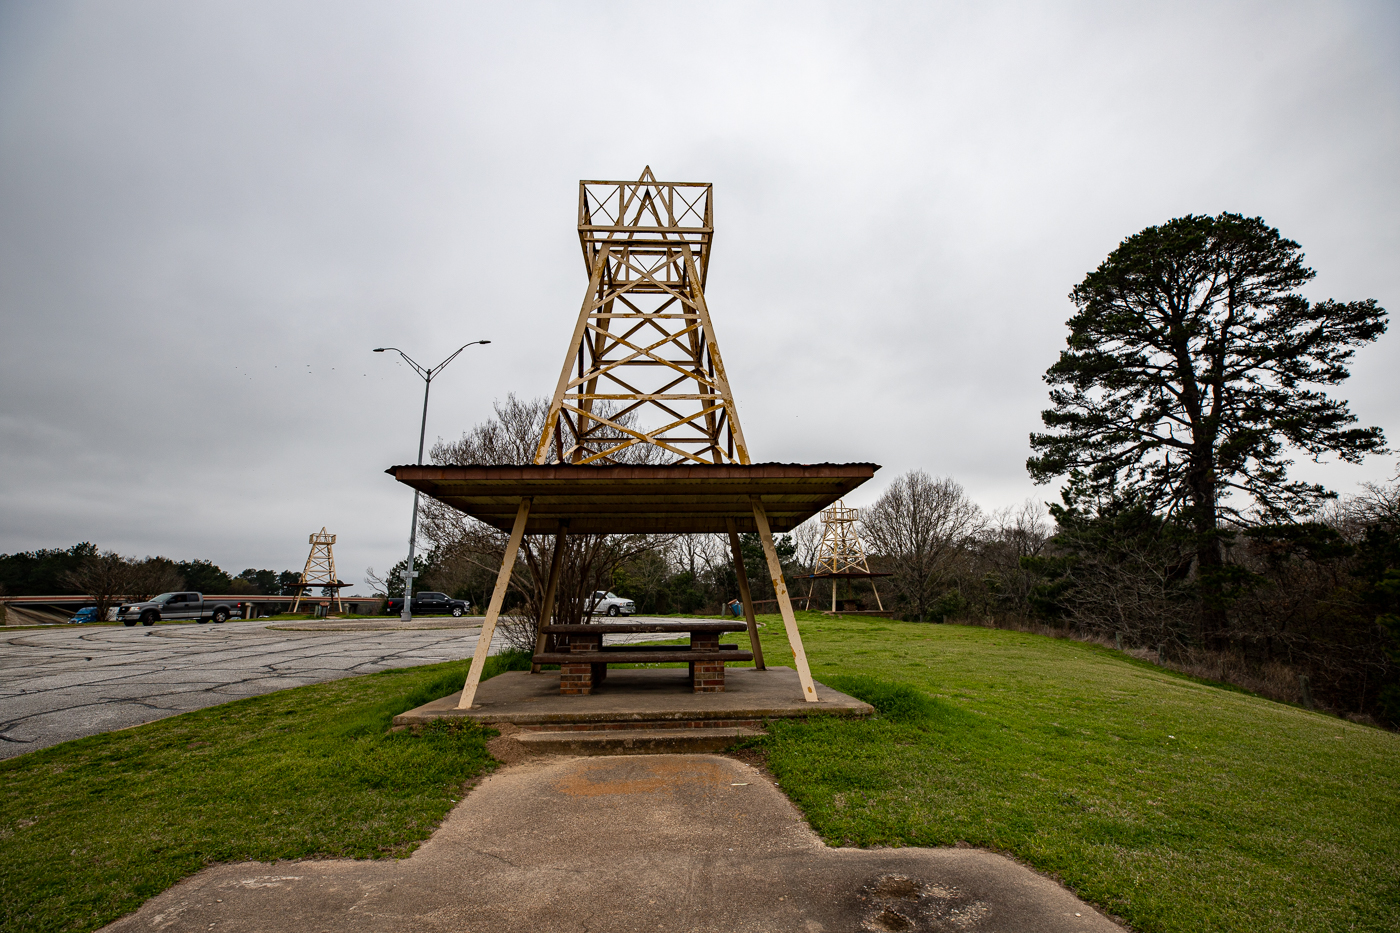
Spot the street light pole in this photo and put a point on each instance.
(426, 374)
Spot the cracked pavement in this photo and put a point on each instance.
(66, 683)
(63, 684)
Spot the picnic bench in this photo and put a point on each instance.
(583, 659)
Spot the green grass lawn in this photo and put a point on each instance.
(1176, 805)
(90, 829)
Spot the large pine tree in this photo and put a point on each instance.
(1192, 371)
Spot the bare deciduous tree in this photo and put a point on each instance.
(1377, 505)
(109, 578)
(918, 530)
(468, 549)
(807, 537)
(1010, 535)
(106, 577)
(700, 555)
(377, 583)
(508, 438)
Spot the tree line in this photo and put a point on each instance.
(109, 577)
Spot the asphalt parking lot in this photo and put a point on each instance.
(68, 682)
(64, 683)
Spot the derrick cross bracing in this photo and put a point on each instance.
(644, 367)
(642, 434)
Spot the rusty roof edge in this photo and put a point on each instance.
(741, 467)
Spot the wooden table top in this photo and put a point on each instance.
(600, 628)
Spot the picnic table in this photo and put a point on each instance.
(583, 659)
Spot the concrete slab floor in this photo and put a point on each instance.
(662, 842)
(640, 694)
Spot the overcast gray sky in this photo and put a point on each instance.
(210, 214)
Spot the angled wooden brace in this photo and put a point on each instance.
(493, 612)
(775, 569)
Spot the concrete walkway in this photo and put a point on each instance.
(648, 842)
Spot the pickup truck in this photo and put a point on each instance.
(178, 607)
(610, 603)
(428, 603)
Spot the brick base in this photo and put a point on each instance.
(580, 674)
(707, 676)
(576, 679)
(634, 725)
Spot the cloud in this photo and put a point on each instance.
(211, 214)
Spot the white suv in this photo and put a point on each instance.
(612, 604)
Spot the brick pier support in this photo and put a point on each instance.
(578, 678)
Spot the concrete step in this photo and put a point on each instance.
(631, 741)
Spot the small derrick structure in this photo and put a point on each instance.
(841, 554)
(319, 570)
(642, 433)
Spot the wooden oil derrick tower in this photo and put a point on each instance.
(642, 435)
(841, 554)
(643, 379)
(643, 366)
(319, 570)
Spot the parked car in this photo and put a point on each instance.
(429, 603)
(611, 604)
(86, 614)
(179, 607)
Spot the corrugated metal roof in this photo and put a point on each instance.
(659, 466)
(627, 499)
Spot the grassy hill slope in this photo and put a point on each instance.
(1177, 805)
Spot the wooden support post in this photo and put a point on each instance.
(745, 594)
(498, 596)
(877, 596)
(833, 596)
(775, 569)
(556, 565)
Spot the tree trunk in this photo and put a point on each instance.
(1210, 562)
